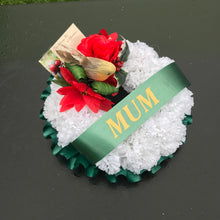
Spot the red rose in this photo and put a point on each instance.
(101, 46)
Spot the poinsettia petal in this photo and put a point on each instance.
(106, 105)
(111, 80)
(80, 86)
(73, 97)
(63, 100)
(108, 102)
(70, 99)
(92, 102)
(78, 100)
(66, 107)
(67, 75)
(65, 90)
(94, 94)
(80, 106)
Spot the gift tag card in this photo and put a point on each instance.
(70, 39)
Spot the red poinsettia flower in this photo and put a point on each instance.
(101, 46)
(79, 94)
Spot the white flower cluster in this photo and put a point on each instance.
(161, 135)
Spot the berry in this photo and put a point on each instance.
(120, 64)
(57, 62)
(117, 59)
(54, 68)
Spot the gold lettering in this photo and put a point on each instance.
(147, 101)
(128, 112)
(117, 127)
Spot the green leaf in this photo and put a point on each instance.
(61, 82)
(77, 71)
(103, 88)
(125, 52)
(121, 76)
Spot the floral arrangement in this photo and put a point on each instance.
(84, 83)
(88, 77)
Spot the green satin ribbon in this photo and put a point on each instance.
(76, 159)
(130, 113)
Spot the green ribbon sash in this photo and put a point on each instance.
(121, 121)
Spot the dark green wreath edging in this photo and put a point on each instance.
(75, 159)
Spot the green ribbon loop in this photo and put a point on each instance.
(122, 120)
(187, 120)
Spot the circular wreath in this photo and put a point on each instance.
(154, 141)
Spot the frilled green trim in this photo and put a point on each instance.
(75, 159)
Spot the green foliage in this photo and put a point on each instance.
(125, 53)
(61, 82)
(121, 76)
